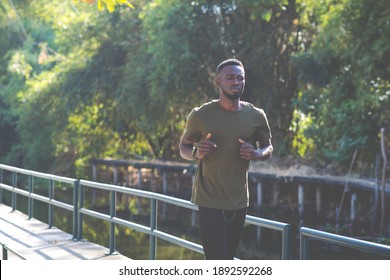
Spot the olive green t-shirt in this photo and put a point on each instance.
(221, 179)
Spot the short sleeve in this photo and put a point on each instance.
(262, 132)
(192, 130)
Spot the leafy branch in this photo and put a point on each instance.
(106, 4)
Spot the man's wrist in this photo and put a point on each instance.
(264, 153)
(195, 152)
(259, 154)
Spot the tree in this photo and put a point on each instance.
(348, 93)
(186, 41)
(77, 84)
(94, 89)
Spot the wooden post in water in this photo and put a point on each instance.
(139, 184)
(301, 201)
(353, 208)
(115, 175)
(259, 188)
(127, 182)
(152, 178)
(165, 190)
(318, 200)
(125, 198)
(193, 220)
(177, 190)
(276, 191)
(139, 177)
(94, 174)
(165, 183)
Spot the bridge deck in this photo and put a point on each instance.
(35, 241)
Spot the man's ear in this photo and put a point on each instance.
(217, 82)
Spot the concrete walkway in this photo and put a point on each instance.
(35, 241)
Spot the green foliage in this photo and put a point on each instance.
(301, 144)
(109, 5)
(77, 84)
(346, 81)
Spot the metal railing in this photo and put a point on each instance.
(306, 234)
(49, 199)
(79, 211)
(6, 249)
(152, 230)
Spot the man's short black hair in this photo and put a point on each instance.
(228, 62)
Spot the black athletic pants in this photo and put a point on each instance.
(220, 231)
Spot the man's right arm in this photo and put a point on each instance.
(203, 148)
(186, 149)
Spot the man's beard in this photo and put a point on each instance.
(233, 96)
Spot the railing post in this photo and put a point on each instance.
(304, 247)
(30, 199)
(112, 224)
(153, 226)
(286, 243)
(14, 183)
(75, 208)
(80, 215)
(1, 181)
(51, 207)
(5, 252)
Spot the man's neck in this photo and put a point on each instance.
(230, 105)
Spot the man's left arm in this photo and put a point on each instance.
(248, 152)
(264, 153)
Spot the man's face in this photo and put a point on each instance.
(231, 81)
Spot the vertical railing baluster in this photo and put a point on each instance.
(79, 214)
(1, 181)
(14, 184)
(286, 242)
(5, 252)
(153, 226)
(75, 207)
(304, 247)
(51, 206)
(30, 199)
(112, 224)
